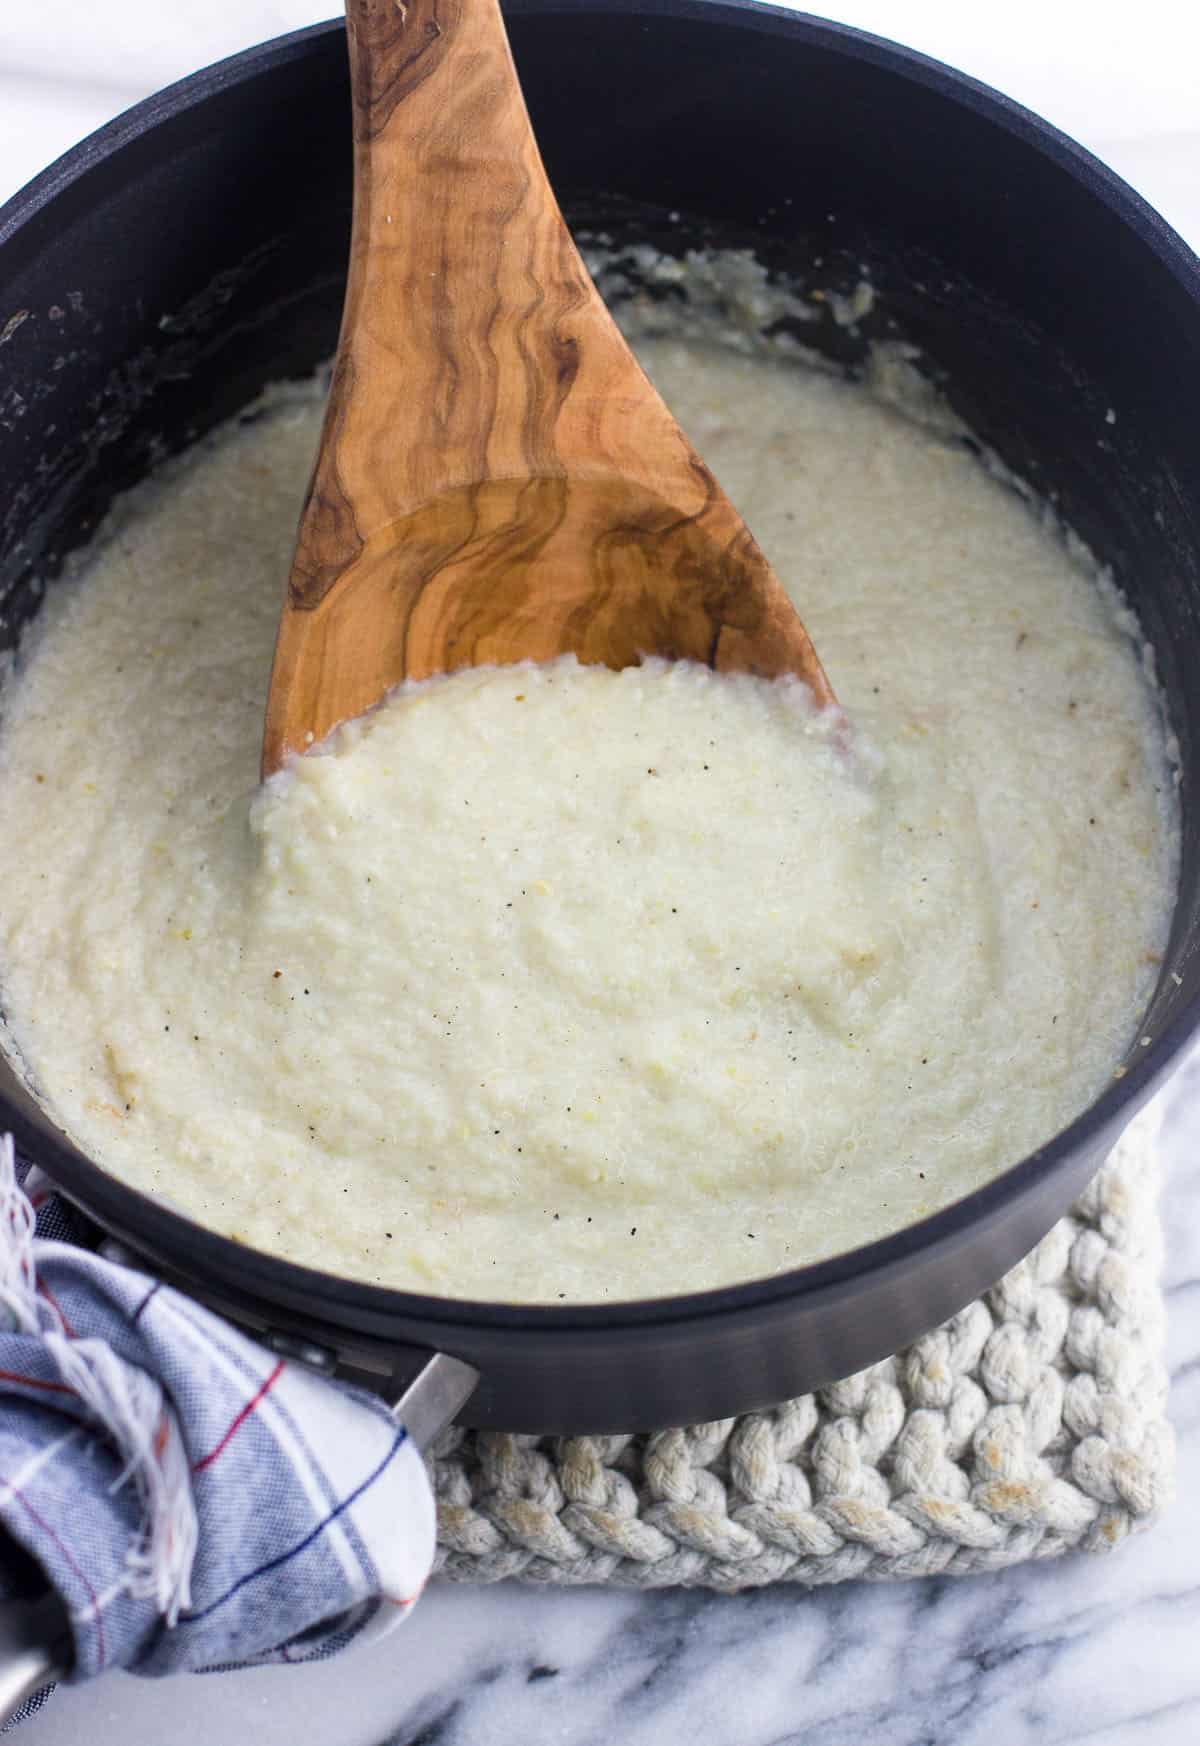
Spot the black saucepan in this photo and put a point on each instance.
(156, 277)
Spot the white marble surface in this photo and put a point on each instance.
(1102, 1651)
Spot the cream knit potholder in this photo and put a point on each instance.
(1032, 1422)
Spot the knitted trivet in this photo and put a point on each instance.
(1033, 1422)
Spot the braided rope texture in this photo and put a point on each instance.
(1031, 1423)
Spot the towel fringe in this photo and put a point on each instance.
(132, 1409)
(18, 1276)
(126, 1403)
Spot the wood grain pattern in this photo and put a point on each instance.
(497, 480)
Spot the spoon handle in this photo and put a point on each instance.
(468, 310)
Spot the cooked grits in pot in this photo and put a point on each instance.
(549, 983)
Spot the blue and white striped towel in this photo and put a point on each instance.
(196, 1502)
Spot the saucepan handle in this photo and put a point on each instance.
(35, 1649)
(435, 1397)
(35, 1639)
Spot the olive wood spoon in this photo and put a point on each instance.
(497, 480)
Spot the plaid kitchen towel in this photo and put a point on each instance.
(195, 1501)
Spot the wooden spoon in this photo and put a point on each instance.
(497, 480)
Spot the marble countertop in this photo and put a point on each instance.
(1096, 1650)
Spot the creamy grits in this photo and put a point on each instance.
(553, 983)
